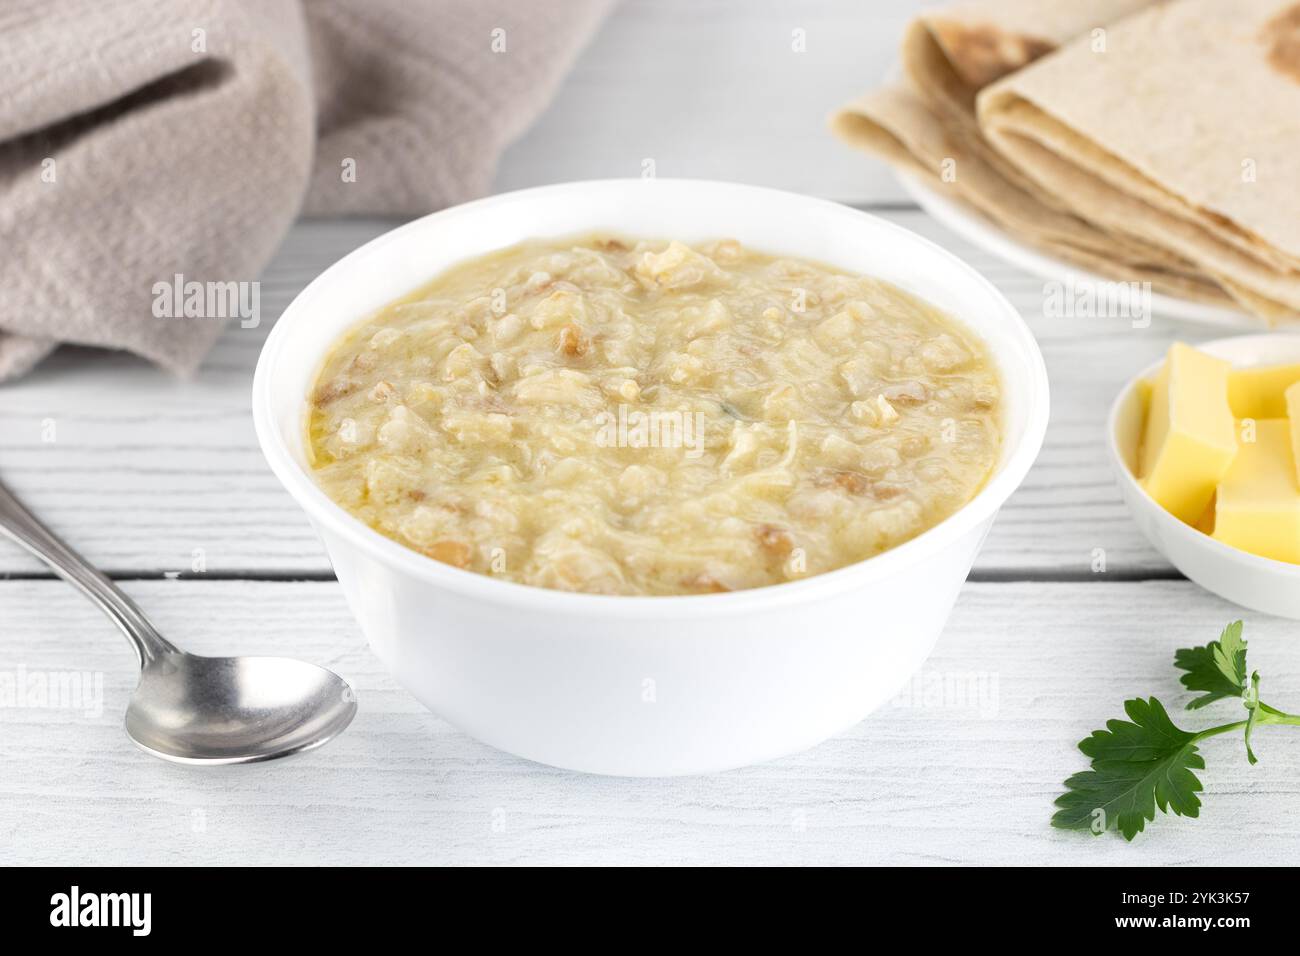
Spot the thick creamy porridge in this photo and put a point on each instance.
(624, 417)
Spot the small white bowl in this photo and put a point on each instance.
(648, 686)
(1260, 584)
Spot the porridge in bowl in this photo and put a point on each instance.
(646, 417)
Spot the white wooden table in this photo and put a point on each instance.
(146, 475)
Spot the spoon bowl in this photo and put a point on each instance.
(192, 709)
(225, 710)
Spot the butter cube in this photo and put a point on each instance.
(1257, 508)
(1205, 523)
(1293, 414)
(1259, 392)
(1190, 438)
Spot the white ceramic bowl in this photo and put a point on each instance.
(1260, 584)
(648, 686)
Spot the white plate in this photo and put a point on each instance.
(973, 227)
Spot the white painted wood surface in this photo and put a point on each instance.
(716, 89)
(966, 776)
(142, 470)
(144, 474)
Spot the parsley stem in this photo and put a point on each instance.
(1271, 715)
(1267, 715)
(1221, 729)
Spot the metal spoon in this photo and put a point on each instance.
(191, 709)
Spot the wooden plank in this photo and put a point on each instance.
(961, 768)
(144, 469)
(138, 469)
(708, 90)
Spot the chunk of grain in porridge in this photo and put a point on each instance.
(557, 386)
(425, 524)
(835, 335)
(559, 308)
(622, 416)
(451, 551)
(474, 427)
(677, 267)
(944, 353)
(505, 329)
(389, 479)
(404, 432)
(461, 361)
(637, 482)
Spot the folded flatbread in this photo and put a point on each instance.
(899, 126)
(927, 127)
(1179, 129)
(950, 54)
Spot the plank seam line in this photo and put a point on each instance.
(991, 576)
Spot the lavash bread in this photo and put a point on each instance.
(1148, 140)
(927, 127)
(1184, 136)
(952, 53)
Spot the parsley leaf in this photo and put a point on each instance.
(1137, 765)
(1219, 668)
(1146, 762)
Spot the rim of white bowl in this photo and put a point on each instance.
(1193, 536)
(321, 508)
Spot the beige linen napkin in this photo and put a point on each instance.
(145, 139)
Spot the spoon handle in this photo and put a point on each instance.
(19, 524)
